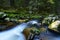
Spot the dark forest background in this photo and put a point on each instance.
(30, 8)
(19, 11)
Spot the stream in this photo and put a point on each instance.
(16, 33)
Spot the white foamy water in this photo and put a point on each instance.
(15, 33)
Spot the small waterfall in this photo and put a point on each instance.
(15, 33)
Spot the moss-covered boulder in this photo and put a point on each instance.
(55, 26)
(31, 30)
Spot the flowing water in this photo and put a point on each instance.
(16, 33)
(49, 35)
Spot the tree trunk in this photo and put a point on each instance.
(12, 3)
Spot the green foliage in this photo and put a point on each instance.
(28, 8)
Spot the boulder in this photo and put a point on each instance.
(55, 26)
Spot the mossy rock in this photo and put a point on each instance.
(55, 26)
(27, 31)
(6, 26)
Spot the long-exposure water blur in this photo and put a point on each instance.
(29, 20)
